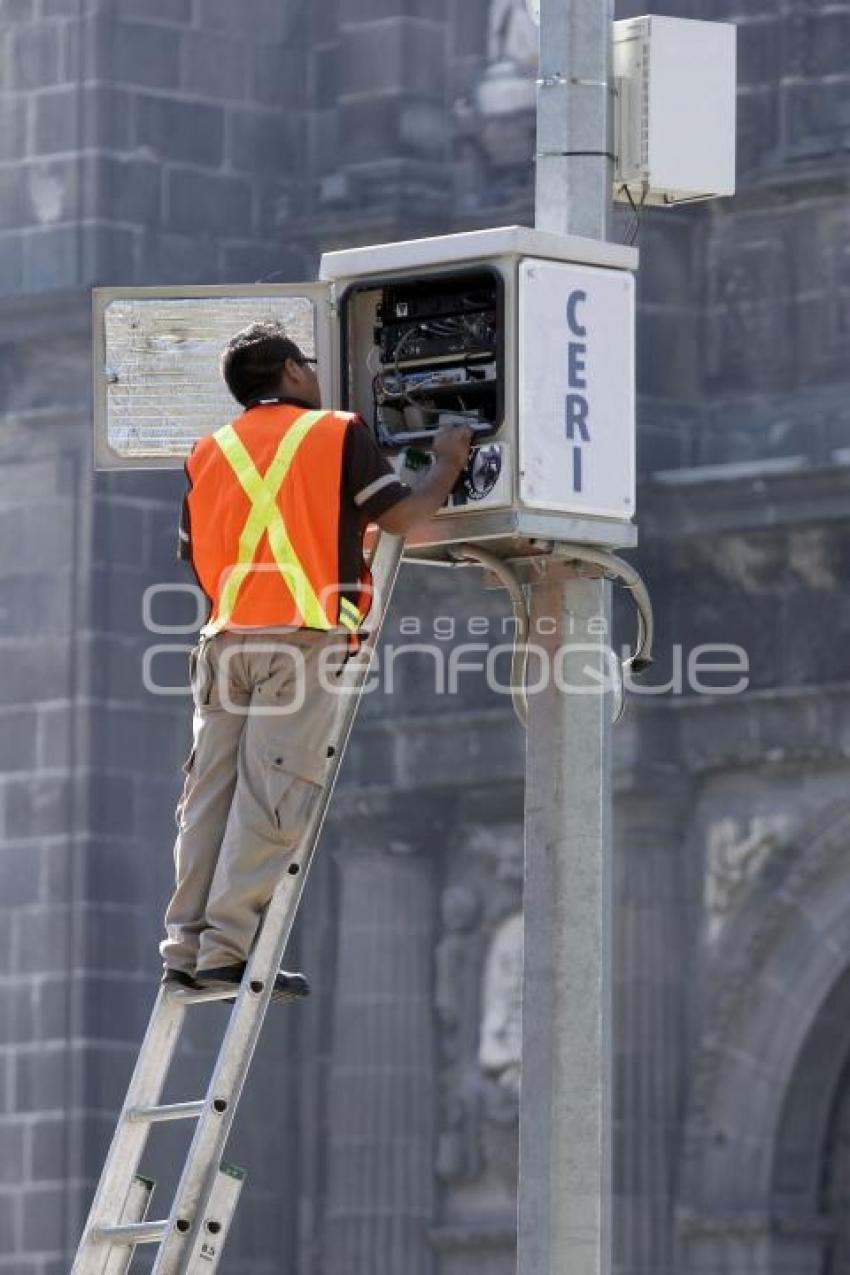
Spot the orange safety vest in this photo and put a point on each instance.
(264, 503)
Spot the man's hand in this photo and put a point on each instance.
(452, 443)
(451, 452)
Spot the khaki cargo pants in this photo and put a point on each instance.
(265, 715)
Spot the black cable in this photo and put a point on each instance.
(570, 154)
(632, 230)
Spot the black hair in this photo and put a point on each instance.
(253, 359)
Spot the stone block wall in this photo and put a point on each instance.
(43, 787)
(148, 141)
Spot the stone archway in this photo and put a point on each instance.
(771, 1060)
(812, 1153)
(835, 1182)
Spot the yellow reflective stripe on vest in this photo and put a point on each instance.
(348, 614)
(265, 515)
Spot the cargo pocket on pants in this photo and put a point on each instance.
(294, 779)
(201, 675)
(188, 768)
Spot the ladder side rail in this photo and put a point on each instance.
(228, 1079)
(209, 1244)
(199, 1174)
(130, 1137)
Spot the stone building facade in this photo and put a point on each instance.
(150, 141)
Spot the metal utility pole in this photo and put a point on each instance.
(565, 1102)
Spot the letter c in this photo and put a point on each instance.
(572, 322)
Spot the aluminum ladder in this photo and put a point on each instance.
(192, 1237)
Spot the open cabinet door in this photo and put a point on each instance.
(157, 384)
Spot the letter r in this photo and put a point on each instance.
(576, 417)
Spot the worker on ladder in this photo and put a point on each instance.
(273, 522)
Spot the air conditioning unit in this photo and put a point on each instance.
(675, 117)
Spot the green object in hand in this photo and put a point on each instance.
(415, 458)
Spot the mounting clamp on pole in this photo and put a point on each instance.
(519, 659)
(611, 566)
(615, 568)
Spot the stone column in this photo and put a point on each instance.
(381, 1107)
(651, 964)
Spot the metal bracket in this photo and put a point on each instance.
(558, 81)
(532, 571)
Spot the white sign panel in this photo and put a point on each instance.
(576, 389)
(157, 380)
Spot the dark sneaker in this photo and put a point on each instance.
(178, 978)
(287, 986)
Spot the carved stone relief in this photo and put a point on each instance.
(500, 1044)
(500, 1048)
(512, 35)
(478, 998)
(495, 124)
(735, 851)
(508, 83)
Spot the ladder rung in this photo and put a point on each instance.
(185, 996)
(171, 1111)
(135, 1233)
